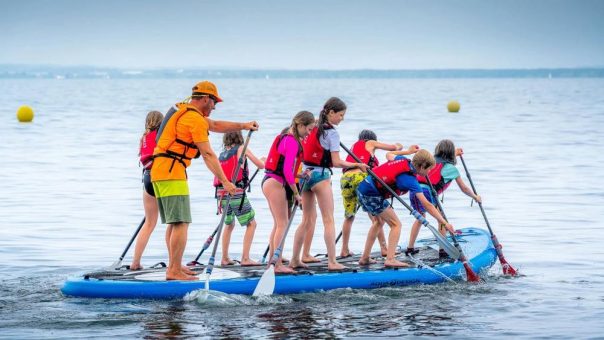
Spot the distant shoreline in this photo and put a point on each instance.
(91, 72)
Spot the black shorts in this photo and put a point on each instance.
(147, 186)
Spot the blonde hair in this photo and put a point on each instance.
(423, 159)
(152, 122)
(303, 118)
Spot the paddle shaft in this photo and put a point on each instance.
(415, 214)
(475, 193)
(471, 275)
(212, 259)
(206, 245)
(507, 268)
(131, 240)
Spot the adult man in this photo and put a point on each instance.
(182, 137)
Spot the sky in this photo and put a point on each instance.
(310, 34)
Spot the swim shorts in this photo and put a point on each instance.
(244, 215)
(173, 201)
(349, 183)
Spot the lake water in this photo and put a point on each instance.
(71, 198)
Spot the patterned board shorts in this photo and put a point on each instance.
(417, 205)
(349, 183)
(244, 215)
(374, 205)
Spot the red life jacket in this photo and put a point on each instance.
(275, 160)
(146, 150)
(436, 178)
(229, 162)
(388, 173)
(314, 153)
(361, 152)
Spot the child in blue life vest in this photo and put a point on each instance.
(441, 176)
(399, 175)
(239, 205)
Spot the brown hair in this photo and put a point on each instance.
(423, 159)
(334, 104)
(301, 118)
(445, 149)
(232, 138)
(152, 122)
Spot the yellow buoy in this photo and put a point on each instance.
(25, 114)
(453, 106)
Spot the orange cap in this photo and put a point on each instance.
(206, 88)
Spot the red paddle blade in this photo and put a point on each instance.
(507, 268)
(471, 275)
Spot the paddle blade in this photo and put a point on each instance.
(470, 274)
(507, 268)
(266, 284)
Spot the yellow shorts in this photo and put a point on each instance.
(349, 183)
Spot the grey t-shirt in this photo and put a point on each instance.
(330, 140)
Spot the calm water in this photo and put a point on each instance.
(71, 198)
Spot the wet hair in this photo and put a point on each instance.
(367, 135)
(152, 122)
(423, 159)
(334, 104)
(232, 138)
(445, 150)
(301, 118)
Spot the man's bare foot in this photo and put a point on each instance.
(180, 276)
(335, 266)
(248, 262)
(310, 259)
(296, 264)
(366, 262)
(187, 271)
(395, 264)
(284, 270)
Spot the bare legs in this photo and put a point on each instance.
(277, 202)
(346, 230)
(248, 237)
(388, 216)
(177, 236)
(151, 213)
(324, 196)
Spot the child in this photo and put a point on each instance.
(239, 206)
(441, 176)
(321, 153)
(146, 146)
(398, 174)
(364, 149)
(279, 183)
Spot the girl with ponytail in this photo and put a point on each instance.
(321, 153)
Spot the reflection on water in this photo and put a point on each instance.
(71, 198)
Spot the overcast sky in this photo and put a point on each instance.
(308, 34)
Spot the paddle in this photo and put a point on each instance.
(507, 268)
(451, 250)
(206, 245)
(266, 284)
(470, 274)
(212, 259)
(117, 264)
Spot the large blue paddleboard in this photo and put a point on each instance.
(151, 283)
